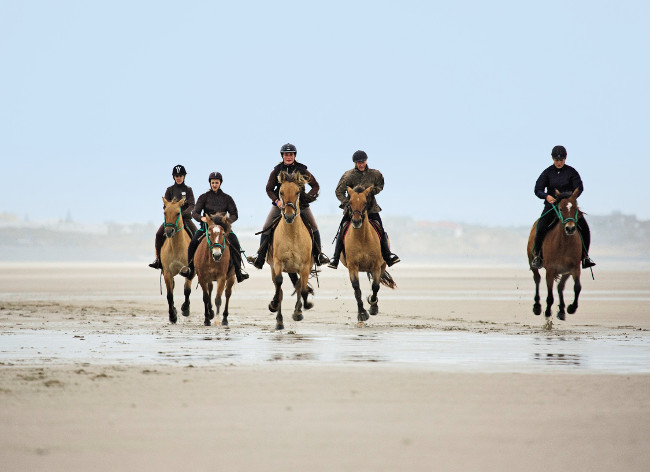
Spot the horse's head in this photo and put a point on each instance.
(291, 185)
(358, 204)
(567, 211)
(215, 235)
(173, 216)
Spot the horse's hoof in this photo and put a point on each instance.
(308, 305)
(571, 309)
(297, 316)
(224, 322)
(279, 326)
(374, 309)
(360, 324)
(273, 307)
(207, 322)
(211, 315)
(185, 310)
(363, 316)
(172, 316)
(537, 309)
(560, 316)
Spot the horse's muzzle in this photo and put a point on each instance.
(169, 233)
(570, 229)
(289, 218)
(356, 224)
(216, 255)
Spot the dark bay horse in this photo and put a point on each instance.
(212, 263)
(562, 252)
(291, 248)
(363, 252)
(173, 255)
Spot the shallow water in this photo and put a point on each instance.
(455, 351)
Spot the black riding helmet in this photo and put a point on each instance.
(359, 156)
(178, 170)
(558, 152)
(288, 148)
(215, 175)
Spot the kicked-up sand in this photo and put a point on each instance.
(454, 373)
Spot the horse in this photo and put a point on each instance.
(562, 252)
(173, 255)
(212, 263)
(362, 252)
(291, 249)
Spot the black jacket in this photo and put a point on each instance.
(215, 202)
(179, 192)
(565, 179)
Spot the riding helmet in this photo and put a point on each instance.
(178, 170)
(288, 148)
(359, 156)
(558, 152)
(215, 175)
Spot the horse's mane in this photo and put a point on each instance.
(222, 220)
(359, 189)
(295, 177)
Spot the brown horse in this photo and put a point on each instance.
(562, 251)
(211, 262)
(363, 252)
(291, 248)
(173, 255)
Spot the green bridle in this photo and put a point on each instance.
(175, 224)
(210, 243)
(558, 213)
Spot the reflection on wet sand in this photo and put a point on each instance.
(438, 350)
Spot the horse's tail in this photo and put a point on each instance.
(387, 280)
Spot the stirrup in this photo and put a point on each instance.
(322, 259)
(587, 262)
(334, 264)
(392, 260)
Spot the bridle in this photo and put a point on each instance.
(563, 220)
(215, 243)
(175, 224)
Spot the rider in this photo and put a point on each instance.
(178, 191)
(364, 176)
(562, 178)
(214, 201)
(289, 164)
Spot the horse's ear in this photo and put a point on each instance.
(367, 191)
(575, 193)
(182, 202)
(557, 193)
(350, 190)
(165, 202)
(282, 176)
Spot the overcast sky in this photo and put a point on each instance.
(458, 103)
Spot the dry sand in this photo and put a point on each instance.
(190, 409)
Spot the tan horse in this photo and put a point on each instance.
(363, 252)
(562, 251)
(291, 248)
(211, 263)
(173, 255)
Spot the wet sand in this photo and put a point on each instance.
(454, 373)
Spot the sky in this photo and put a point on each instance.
(458, 103)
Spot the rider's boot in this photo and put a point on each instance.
(388, 256)
(319, 257)
(338, 247)
(587, 262)
(260, 258)
(156, 264)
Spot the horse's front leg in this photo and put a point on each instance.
(362, 314)
(560, 292)
(276, 303)
(221, 284)
(229, 283)
(187, 290)
(208, 313)
(372, 299)
(550, 280)
(577, 287)
(537, 307)
(169, 284)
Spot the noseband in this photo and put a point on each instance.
(214, 244)
(175, 224)
(563, 220)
